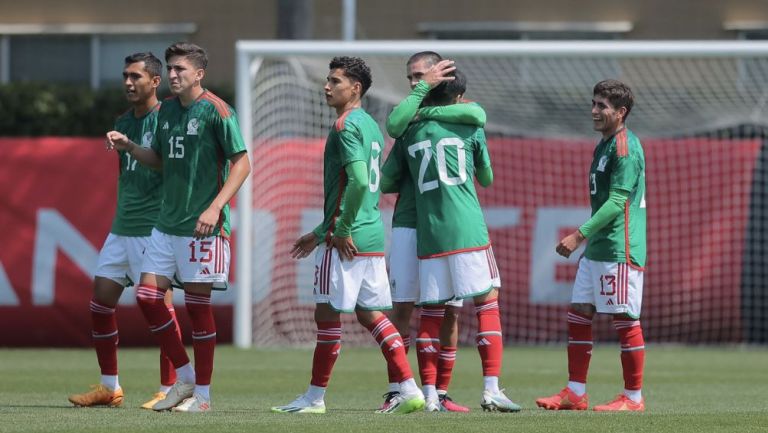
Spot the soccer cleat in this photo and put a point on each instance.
(388, 396)
(447, 405)
(301, 405)
(432, 405)
(621, 403)
(564, 400)
(498, 401)
(195, 404)
(404, 404)
(155, 398)
(99, 395)
(179, 392)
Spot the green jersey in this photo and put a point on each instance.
(442, 158)
(195, 144)
(138, 190)
(469, 113)
(355, 136)
(619, 163)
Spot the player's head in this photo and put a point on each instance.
(348, 80)
(612, 101)
(186, 63)
(418, 64)
(448, 92)
(141, 77)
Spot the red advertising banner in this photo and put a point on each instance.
(57, 200)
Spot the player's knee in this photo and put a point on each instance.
(451, 316)
(584, 309)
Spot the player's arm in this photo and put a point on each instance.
(146, 156)
(482, 158)
(239, 171)
(404, 112)
(354, 192)
(612, 208)
(391, 171)
(465, 113)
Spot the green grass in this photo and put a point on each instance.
(687, 390)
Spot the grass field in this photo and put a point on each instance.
(687, 389)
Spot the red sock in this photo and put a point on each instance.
(392, 347)
(428, 343)
(167, 372)
(161, 323)
(392, 373)
(326, 352)
(632, 352)
(445, 362)
(579, 346)
(105, 336)
(489, 342)
(203, 335)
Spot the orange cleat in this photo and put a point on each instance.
(155, 398)
(99, 395)
(564, 400)
(621, 403)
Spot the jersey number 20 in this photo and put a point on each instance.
(442, 164)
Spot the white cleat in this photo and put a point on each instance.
(493, 401)
(179, 392)
(301, 405)
(432, 405)
(195, 404)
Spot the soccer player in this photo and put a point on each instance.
(442, 159)
(437, 338)
(197, 135)
(350, 271)
(138, 204)
(610, 275)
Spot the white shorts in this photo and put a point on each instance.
(192, 260)
(458, 276)
(120, 258)
(346, 285)
(613, 288)
(404, 267)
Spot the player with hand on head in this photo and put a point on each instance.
(443, 159)
(138, 204)
(437, 337)
(350, 270)
(610, 275)
(203, 158)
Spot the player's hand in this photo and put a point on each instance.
(206, 223)
(304, 246)
(439, 73)
(346, 247)
(569, 244)
(118, 140)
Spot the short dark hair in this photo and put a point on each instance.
(194, 53)
(446, 92)
(355, 69)
(152, 64)
(617, 93)
(431, 57)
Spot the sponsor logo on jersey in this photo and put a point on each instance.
(602, 163)
(146, 140)
(165, 125)
(610, 302)
(205, 271)
(192, 126)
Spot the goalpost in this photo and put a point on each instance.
(700, 112)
